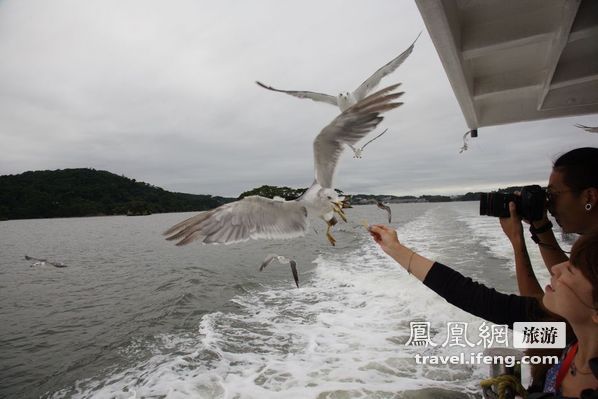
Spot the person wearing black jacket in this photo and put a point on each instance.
(572, 295)
(572, 199)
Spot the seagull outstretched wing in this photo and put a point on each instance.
(44, 261)
(282, 259)
(27, 257)
(370, 83)
(385, 208)
(348, 128)
(249, 218)
(319, 97)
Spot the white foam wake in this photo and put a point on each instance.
(342, 334)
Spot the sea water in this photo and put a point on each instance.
(133, 316)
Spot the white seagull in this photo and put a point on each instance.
(43, 262)
(283, 260)
(358, 151)
(346, 99)
(381, 206)
(256, 217)
(465, 146)
(589, 129)
(385, 208)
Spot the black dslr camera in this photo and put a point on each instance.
(530, 204)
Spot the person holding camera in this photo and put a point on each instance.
(571, 197)
(572, 295)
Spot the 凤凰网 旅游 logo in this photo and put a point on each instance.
(539, 335)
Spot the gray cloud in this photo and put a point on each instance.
(163, 92)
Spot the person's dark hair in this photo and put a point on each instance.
(584, 256)
(579, 168)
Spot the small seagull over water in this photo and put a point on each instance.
(43, 262)
(346, 99)
(589, 129)
(256, 217)
(358, 151)
(385, 208)
(283, 260)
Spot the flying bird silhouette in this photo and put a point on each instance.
(43, 262)
(256, 217)
(346, 99)
(465, 146)
(381, 205)
(283, 260)
(386, 208)
(589, 129)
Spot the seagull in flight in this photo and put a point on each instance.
(43, 262)
(589, 129)
(358, 151)
(346, 99)
(465, 146)
(385, 208)
(283, 260)
(256, 217)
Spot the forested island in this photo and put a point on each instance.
(90, 192)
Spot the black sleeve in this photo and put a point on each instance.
(480, 300)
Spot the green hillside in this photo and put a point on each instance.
(90, 192)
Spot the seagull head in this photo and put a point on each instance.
(345, 100)
(324, 202)
(336, 202)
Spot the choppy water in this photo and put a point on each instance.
(133, 316)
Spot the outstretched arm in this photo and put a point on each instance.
(457, 289)
(414, 263)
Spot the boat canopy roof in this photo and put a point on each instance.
(517, 60)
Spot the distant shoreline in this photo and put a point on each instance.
(85, 192)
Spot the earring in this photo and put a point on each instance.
(588, 207)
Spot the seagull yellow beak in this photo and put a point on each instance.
(337, 207)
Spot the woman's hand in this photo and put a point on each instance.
(512, 226)
(386, 237)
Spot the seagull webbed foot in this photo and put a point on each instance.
(331, 239)
(337, 207)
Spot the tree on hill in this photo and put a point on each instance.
(90, 192)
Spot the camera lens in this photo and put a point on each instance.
(495, 204)
(530, 204)
(483, 204)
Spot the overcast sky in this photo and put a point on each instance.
(163, 92)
